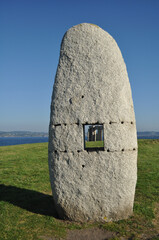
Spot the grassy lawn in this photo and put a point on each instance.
(94, 144)
(26, 205)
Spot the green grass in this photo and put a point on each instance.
(94, 144)
(26, 205)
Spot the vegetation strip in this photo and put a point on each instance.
(26, 206)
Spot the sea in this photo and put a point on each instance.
(6, 141)
(148, 137)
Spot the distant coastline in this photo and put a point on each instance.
(23, 134)
(148, 135)
(140, 135)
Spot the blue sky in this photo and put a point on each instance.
(30, 35)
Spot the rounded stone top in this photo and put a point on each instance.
(91, 65)
(87, 27)
(90, 35)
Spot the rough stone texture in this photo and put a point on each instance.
(91, 86)
(67, 137)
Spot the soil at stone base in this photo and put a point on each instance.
(86, 234)
(95, 234)
(89, 234)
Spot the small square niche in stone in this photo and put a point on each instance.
(93, 137)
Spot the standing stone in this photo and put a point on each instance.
(92, 86)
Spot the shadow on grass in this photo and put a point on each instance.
(30, 200)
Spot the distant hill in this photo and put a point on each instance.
(148, 135)
(23, 134)
(140, 135)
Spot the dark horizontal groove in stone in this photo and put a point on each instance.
(122, 150)
(122, 122)
(78, 151)
(107, 150)
(111, 122)
(65, 124)
(94, 123)
(91, 123)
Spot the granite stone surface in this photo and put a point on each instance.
(92, 86)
